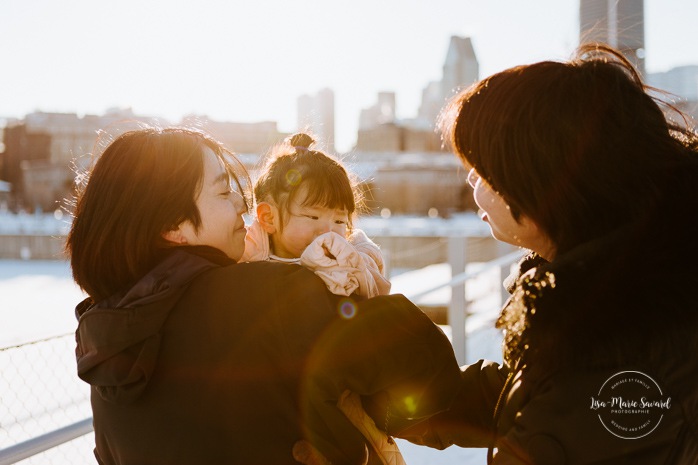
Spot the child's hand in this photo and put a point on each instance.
(334, 259)
(347, 266)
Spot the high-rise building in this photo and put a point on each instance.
(316, 114)
(460, 69)
(618, 23)
(432, 102)
(382, 112)
(379, 129)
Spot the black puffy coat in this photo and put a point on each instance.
(205, 361)
(625, 302)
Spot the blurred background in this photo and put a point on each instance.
(367, 78)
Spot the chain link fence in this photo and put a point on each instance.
(40, 392)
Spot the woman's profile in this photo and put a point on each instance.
(576, 162)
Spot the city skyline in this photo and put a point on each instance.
(251, 61)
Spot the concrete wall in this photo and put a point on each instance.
(34, 247)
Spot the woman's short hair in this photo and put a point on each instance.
(292, 167)
(580, 147)
(144, 184)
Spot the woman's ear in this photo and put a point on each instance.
(267, 215)
(175, 236)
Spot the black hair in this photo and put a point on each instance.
(580, 147)
(293, 168)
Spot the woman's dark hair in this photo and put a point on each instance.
(144, 184)
(579, 147)
(292, 168)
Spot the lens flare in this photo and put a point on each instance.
(347, 309)
(293, 177)
(410, 404)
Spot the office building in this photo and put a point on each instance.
(316, 115)
(460, 69)
(618, 23)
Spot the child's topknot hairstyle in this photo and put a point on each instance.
(301, 141)
(293, 168)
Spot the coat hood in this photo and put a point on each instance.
(118, 339)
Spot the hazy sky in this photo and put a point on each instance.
(236, 60)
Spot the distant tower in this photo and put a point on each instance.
(382, 112)
(316, 113)
(432, 102)
(460, 69)
(619, 23)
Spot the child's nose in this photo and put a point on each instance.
(324, 227)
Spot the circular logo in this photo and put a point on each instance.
(630, 404)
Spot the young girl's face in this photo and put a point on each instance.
(303, 224)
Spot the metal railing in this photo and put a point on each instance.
(457, 308)
(40, 394)
(507, 259)
(37, 445)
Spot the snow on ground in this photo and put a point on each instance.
(37, 301)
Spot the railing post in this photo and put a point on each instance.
(457, 308)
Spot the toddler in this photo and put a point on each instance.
(305, 205)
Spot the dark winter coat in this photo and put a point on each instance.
(621, 303)
(205, 361)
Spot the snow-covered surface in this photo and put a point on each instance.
(37, 300)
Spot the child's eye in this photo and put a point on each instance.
(312, 217)
(340, 222)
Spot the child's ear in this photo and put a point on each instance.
(266, 215)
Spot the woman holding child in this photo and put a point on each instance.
(194, 358)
